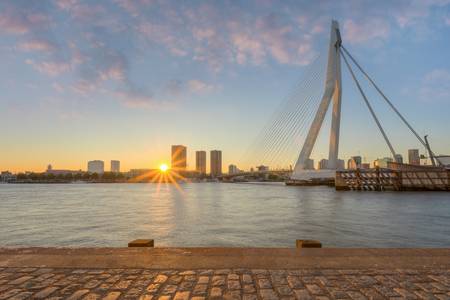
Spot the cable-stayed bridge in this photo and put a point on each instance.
(300, 118)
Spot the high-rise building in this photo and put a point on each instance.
(323, 164)
(340, 164)
(413, 157)
(115, 166)
(96, 166)
(216, 162)
(309, 164)
(178, 157)
(398, 158)
(232, 169)
(200, 161)
(354, 163)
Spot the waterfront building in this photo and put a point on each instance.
(413, 157)
(200, 162)
(309, 164)
(216, 162)
(354, 163)
(115, 166)
(96, 166)
(50, 170)
(340, 164)
(178, 157)
(323, 164)
(382, 162)
(262, 168)
(398, 158)
(232, 169)
(7, 176)
(365, 165)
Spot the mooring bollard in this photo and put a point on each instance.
(308, 244)
(141, 243)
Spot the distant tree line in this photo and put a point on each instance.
(71, 177)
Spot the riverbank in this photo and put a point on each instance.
(230, 273)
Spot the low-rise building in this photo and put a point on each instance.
(382, 162)
(233, 169)
(96, 166)
(323, 164)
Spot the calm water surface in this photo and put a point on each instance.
(219, 214)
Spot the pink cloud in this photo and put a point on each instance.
(200, 87)
(51, 68)
(369, 30)
(37, 45)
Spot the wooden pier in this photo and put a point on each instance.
(397, 177)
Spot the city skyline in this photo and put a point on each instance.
(74, 88)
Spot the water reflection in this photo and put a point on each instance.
(214, 214)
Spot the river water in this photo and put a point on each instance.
(219, 214)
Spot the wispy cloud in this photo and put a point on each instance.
(51, 68)
(435, 86)
(37, 45)
(369, 30)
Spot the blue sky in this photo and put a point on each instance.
(124, 79)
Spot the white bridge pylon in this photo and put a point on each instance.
(333, 90)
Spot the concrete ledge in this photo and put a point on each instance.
(141, 243)
(199, 258)
(308, 244)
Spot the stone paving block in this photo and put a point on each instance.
(233, 277)
(264, 283)
(169, 289)
(249, 289)
(234, 285)
(91, 296)
(78, 294)
(122, 285)
(160, 278)
(405, 293)
(45, 292)
(232, 295)
(268, 294)
(314, 289)
(356, 295)
(203, 280)
(112, 296)
(215, 292)
(10, 293)
(218, 280)
(200, 289)
(21, 296)
(284, 290)
(20, 280)
(181, 296)
(153, 288)
(247, 278)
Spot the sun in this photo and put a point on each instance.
(163, 168)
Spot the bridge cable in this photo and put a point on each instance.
(296, 119)
(280, 129)
(368, 105)
(276, 130)
(384, 97)
(279, 117)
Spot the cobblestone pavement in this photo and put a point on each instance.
(43, 283)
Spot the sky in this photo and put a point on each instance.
(123, 79)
